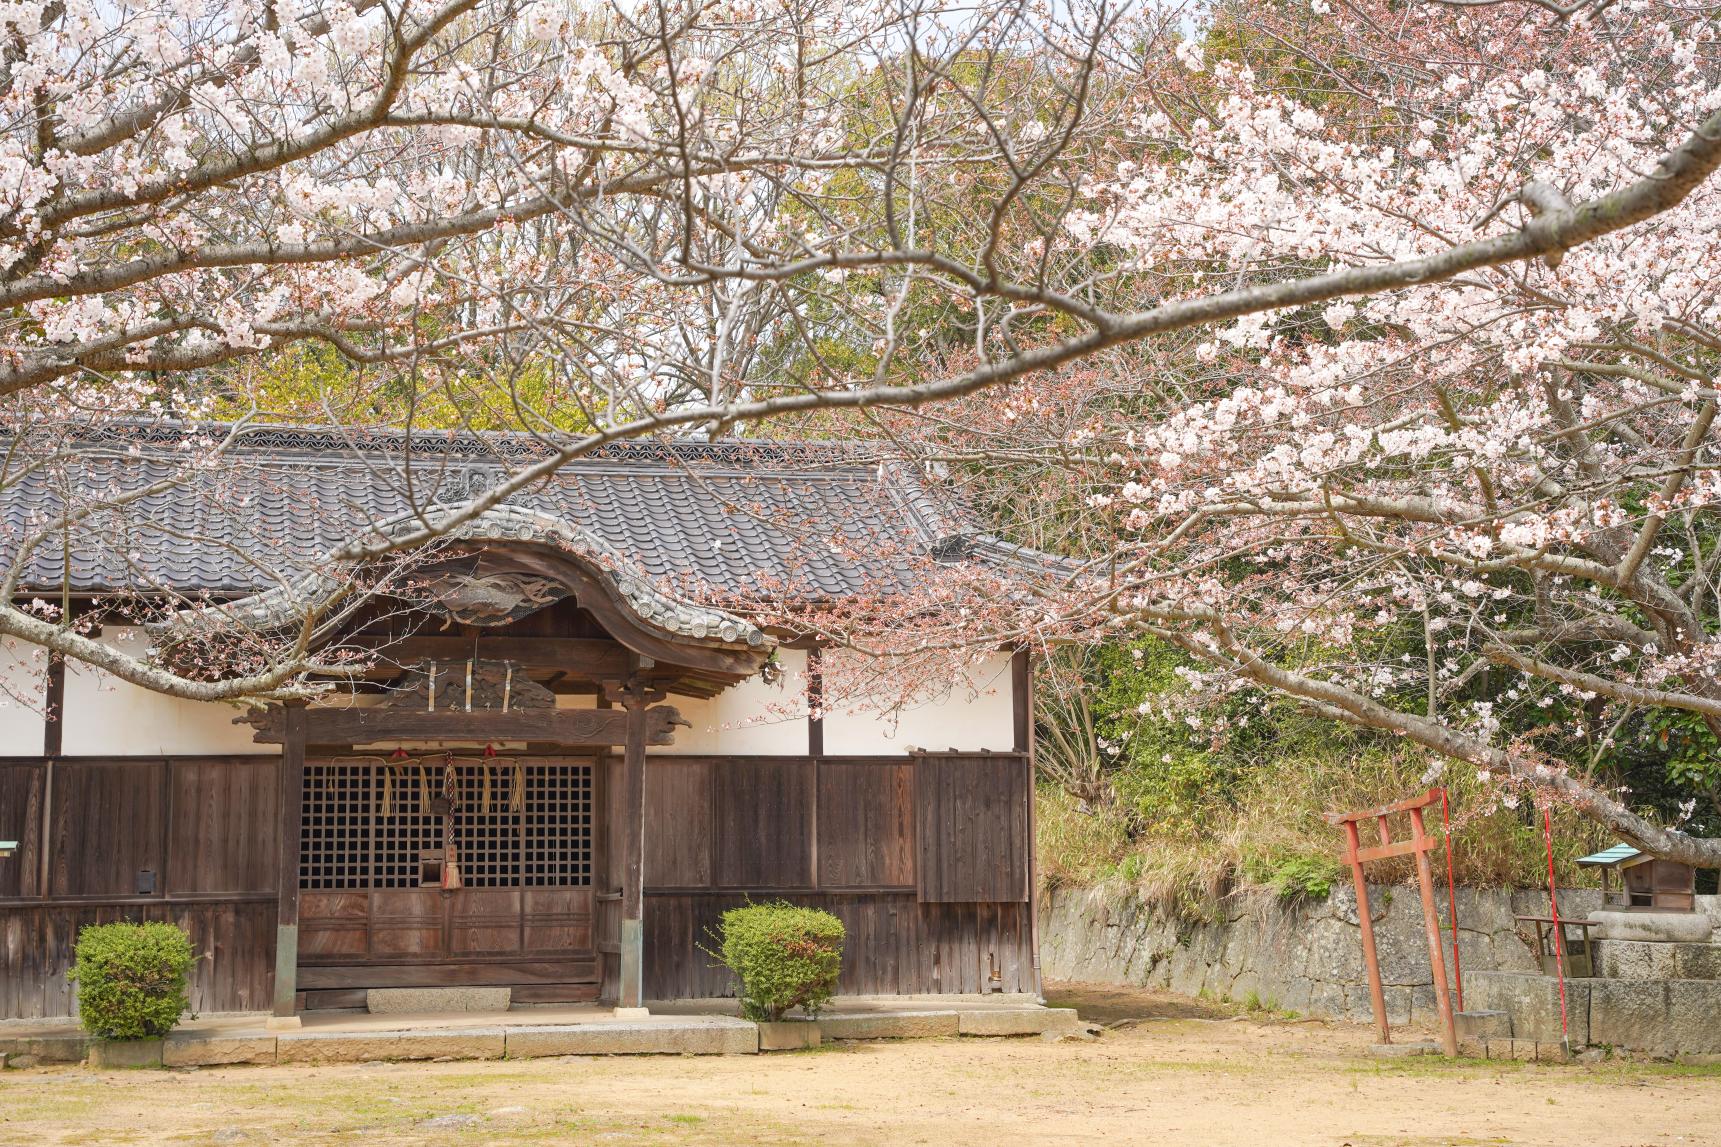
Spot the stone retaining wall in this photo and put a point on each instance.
(1304, 957)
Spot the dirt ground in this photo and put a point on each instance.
(1167, 1071)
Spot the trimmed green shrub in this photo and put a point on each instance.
(786, 957)
(132, 979)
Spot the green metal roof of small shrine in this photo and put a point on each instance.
(1611, 856)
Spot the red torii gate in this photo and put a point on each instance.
(1418, 845)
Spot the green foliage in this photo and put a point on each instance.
(1227, 798)
(785, 957)
(1298, 876)
(132, 979)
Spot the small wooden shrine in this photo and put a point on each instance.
(1645, 882)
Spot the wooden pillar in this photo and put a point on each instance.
(1431, 921)
(292, 795)
(1022, 709)
(631, 832)
(815, 703)
(1365, 921)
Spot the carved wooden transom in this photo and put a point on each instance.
(471, 592)
(463, 685)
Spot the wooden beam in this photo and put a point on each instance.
(631, 991)
(550, 726)
(815, 704)
(584, 656)
(54, 702)
(292, 795)
(1021, 699)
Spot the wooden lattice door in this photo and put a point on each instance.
(446, 870)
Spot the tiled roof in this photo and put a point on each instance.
(788, 520)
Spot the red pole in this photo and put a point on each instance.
(1377, 994)
(1452, 898)
(1425, 885)
(1559, 932)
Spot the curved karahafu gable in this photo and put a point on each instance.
(515, 540)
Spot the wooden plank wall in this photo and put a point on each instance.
(972, 831)
(204, 831)
(847, 835)
(896, 945)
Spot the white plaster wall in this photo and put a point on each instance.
(977, 713)
(749, 718)
(109, 717)
(23, 695)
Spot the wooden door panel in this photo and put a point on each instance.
(484, 921)
(559, 920)
(406, 922)
(333, 924)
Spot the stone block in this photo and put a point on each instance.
(1669, 927)
(1693, 1012)
(1632, 1014)
(210, 1051)
(48, 1049)
(1403, 1050)
(1483, 1025)
(734, 1037)
(1329, 1001)
(386, 1001)
(1533, 1003)
(358, 1047)
(789, 1035)
(125, 1053)
(1018, 1021)
(890, 1025)
(1658, 960)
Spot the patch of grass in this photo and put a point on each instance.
(1264, 835)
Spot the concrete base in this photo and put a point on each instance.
(678, 1027)
(360, 1047)
(1664, 927)
(31, 1050)
(214, 1051)
(125, 1053)
(396, 1001)
(283, 1023)
(1403, 1050)
(890, 1025)
(735, 1037)
(1660, 1017)
(631, 1013)
(1020, 1021)
(789, 1035)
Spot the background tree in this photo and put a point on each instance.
(594, 224)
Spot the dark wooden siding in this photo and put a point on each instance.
(205, 828)
(22, 790)
(107, 826)
(896, 945)
(866, 824)
(971, 836)
(841, 834)
(763, 835)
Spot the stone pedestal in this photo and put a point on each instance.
(398, 1000)
(125, 1053)
(1652, 927)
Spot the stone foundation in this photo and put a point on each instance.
(1659, 1017)
(1304, 957)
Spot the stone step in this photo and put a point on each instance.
(394, 1001)
(1658, 960)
